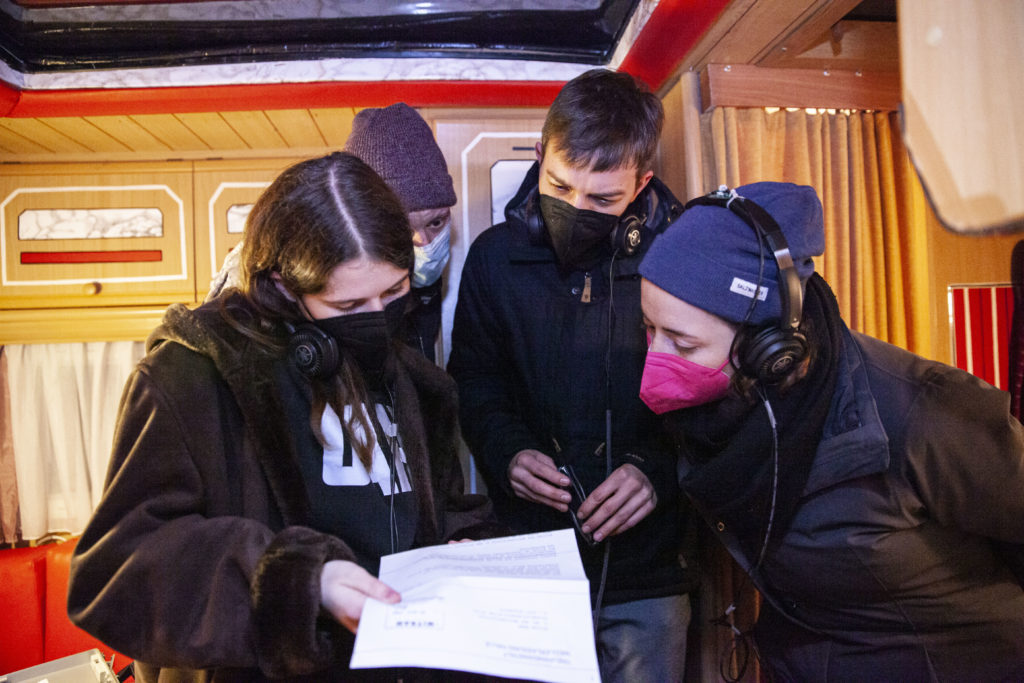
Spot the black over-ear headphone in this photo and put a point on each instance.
(625, 239)
(771, 352)
(313, 352)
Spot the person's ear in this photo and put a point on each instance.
(641, 184)
(539, 149)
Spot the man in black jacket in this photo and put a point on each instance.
(548, 350)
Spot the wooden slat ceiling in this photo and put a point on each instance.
(283, 132)
(809, 34)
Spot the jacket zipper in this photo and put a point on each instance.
(585, 297)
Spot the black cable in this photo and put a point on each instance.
(607, 433)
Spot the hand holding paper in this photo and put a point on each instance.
(516, 607)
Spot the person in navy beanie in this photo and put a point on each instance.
(872, 496)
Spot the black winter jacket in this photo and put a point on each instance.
(530, 350)
(888, 570)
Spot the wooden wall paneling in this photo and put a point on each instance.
(962, 259)
(129, 132)
(213, 130)
(46, 273)
(472, 145)
(742, 85)
(334, 124)
(255, 128)
(746, 30)
(680, 163)
(296, 127)
(848, 45)
(219, 185)
(45, 326)
(805, 30)
(670, 164)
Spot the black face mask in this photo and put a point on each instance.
(366, 337)
(577, 235)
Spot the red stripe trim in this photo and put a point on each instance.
(990, 342)
(977, 331)
(134, 256)
(673, 29)
(180, 100)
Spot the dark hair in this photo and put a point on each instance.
(316, 215)
(605, 120)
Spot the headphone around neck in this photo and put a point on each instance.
(770, 352)
(625, 239)
(313, 352)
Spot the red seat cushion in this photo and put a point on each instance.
(22, 586)
(62, 638)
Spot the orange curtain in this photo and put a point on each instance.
(876, 252)
(876, 261)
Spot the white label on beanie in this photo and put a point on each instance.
(747, 289)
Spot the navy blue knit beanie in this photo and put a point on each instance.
(398, 144)
(710, 258)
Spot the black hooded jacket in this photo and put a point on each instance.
(535, 367)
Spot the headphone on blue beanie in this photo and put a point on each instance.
(770, 352)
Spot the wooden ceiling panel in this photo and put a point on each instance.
(296, 127)
(41, 134)
(168, 129)
(19, 144)
(255, 128)
(96, 139)
(334, 124)
(129, 132)
(213, 130)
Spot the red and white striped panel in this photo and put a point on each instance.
(981, 316)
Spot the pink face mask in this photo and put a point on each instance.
(670, 383)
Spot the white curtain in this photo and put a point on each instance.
(63, 403)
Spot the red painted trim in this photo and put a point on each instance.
(976, 332)
(179, 100)
(1004, 313)
(133, 256)
(672, 31)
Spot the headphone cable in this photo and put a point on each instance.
(606, 551)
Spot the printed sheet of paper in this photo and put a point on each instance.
(517, 607)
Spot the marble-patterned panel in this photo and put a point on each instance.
(363, 69)
(69, 224)
(237, 213)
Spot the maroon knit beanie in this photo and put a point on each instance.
(398, 144)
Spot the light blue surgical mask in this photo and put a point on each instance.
(431, 258)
